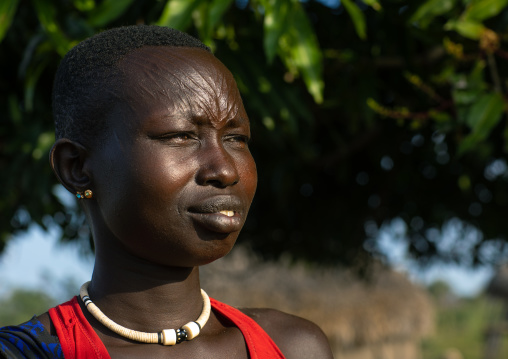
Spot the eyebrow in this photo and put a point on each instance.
(237, 121)
(230, 122)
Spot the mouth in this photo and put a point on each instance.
(222, 214)
(227, 213)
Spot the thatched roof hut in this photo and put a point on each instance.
(383, 318)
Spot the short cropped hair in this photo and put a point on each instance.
(86, 80)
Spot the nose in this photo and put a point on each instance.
(217, 168)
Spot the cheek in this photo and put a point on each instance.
(249, 176)
(160, 176)
(139, 179)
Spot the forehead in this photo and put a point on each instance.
(180, 81)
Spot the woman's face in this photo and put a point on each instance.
(175, 179)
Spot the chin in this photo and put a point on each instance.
(204, 252)
(214, 258)
(219, 249)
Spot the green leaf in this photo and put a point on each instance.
(178, 13)
(274, 25)
(485, 112)
(429, 10)
(303, 50)
(7, 11)
(373, 4)
(84, 5)
(468, 88)
(357, 17)
(107, 11)
(46, 12)
(483, 9)
(14, 112)
(483, 116)
(31, 79)
(470, 29)
(216, 10)
(210, 14)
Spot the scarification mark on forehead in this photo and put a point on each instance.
(188, 79)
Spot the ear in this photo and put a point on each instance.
(67, 158)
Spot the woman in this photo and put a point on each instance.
(152, 137)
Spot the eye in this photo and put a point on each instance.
(177, 138)
(239, 141)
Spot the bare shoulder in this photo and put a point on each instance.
(45, 320)
(296, 337)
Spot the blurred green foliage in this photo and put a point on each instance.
(362, 112)
(462, 326)
(21, 304)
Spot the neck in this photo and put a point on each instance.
(144, 296)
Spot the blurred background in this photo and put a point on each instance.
(380, 134)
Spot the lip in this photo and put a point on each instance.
(206, 214)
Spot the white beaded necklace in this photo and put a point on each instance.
(166, 337)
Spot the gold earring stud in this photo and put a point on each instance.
(88, 194)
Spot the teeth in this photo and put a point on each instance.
(228, 213)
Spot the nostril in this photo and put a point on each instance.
(219, 174)
(217, 167)
(221, 182)
(215, 183)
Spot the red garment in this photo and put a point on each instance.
(79, 340)
(76, 335)
(259, 344)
